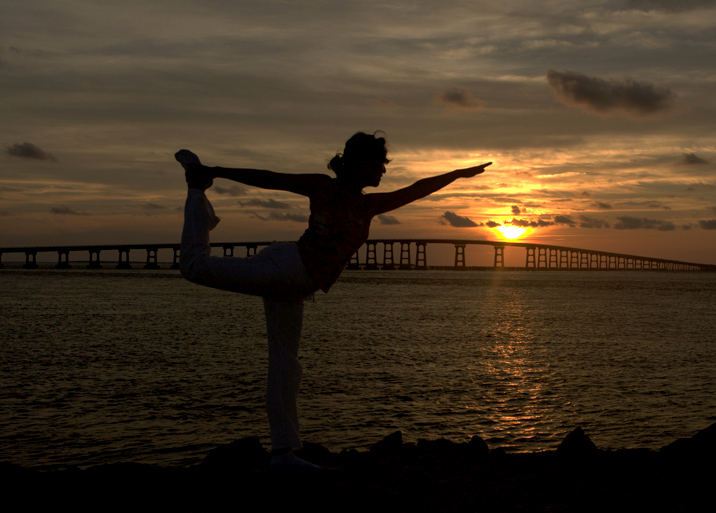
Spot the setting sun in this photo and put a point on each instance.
(511, 232)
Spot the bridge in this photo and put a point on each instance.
(411, 255)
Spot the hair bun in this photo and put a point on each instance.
(336, 164)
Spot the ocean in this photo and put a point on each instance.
(117, 366)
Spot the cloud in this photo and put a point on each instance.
(385, 103)
(234, 190)
(4, 188)
(268, 203)
(28, 150)
(492, 224)
(691, 158)
(526, 223)
(586, 194)
(457, 221)
(5, 213)
(63, 210)
(592, 222)
(386, 219)
(670, 5)
(603, 206)
(708, 225)
(515, 209)
(564, 220)
(628, 97)
(636, 223)
(282, 216)
(150, 208)
(459, 98)
(700, 186)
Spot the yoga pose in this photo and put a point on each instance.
(285, 274)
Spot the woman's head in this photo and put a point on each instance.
(364, 156)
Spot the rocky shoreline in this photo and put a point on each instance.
(430, 476)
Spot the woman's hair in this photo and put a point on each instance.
(360, 147)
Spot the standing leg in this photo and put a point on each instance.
(283, 325)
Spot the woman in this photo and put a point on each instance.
(284, 274)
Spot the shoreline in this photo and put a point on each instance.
(432, 475)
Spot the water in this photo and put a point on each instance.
(104, 366)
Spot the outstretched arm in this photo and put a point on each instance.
(300, 184)
(201, 177)
(385, 202)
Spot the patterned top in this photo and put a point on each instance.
(338, 226)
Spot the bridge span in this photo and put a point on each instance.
(411, 254)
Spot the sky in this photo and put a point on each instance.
(599, 116)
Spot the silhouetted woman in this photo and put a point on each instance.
(285, 274)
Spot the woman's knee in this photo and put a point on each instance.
(190, 268)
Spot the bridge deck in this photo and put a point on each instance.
(412, 255)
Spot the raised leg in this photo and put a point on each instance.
(276, 272)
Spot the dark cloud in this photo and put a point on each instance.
(640, 223)
(691, 158)
(5, 188)
(386, 219)
(670, 5)
(700, 186)
(457, 221)
(150, 208)
(592, 222)
(268, 203)
(712, 209)
(282, 216)
(627, 97)
(564, 220)
(603, 206)
(515, 210)
(708, 225)
(586, 194)
(386, 103)
(28, 150)
(459, 98)
(63, 210)
(5, 213)
(153, 206)
(492, 224)
(234, 190)
(526, 223)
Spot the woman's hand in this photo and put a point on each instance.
(469, 172)
(197, 175)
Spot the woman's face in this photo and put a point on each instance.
(370, 171)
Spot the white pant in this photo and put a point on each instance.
(277, 274)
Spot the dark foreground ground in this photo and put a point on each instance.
(431, 476)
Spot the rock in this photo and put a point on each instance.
(498, 454)
(315, 453)
(577, 443)
(702, 444)
(439, 446)
(477, 447)
(391, 444)
(244, 454)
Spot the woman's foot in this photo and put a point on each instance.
(197, 175)
(289, 461)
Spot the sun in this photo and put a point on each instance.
(512, 232)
